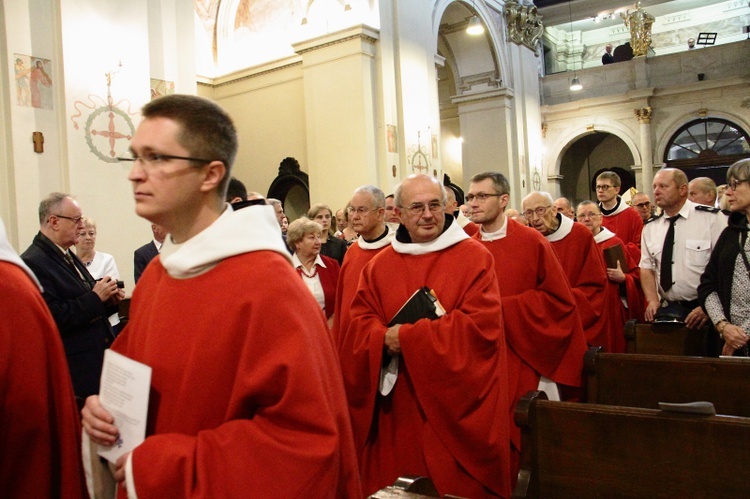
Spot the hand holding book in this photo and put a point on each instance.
(423, 304)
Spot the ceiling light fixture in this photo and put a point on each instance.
(575, 85)
(475, 26)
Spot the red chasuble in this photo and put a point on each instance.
(542, 328)
(626, 224)
(246, 394)
(357, 256)
(616, 310)
(447, 415)
(40, 429)
(582, 261)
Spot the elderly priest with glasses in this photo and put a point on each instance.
(441, 409)
(580, 258)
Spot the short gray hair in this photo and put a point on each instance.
(545, 195)
(378, 196)
(49, 204)
(739, 170)
(298, 229)
(588, 202)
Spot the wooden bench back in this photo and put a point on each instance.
(635, 380)
(588, 450)
(663, 339)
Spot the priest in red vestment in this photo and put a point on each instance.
(624, 298)
(546, 344)
(246, 392)
(39, 422)
(446, 416)
(618, 217)
(581, 260)
(367, 212)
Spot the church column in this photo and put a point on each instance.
(486, 120)
(340, 112)
(647, 154)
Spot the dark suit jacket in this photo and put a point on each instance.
(79, 314)
(142, 256)
(334, 248)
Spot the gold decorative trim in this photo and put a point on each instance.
(525, 26)
(643, 115)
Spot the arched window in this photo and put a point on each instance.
(707, 142)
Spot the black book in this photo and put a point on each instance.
(423, 304)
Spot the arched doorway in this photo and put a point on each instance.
(707, 147)
(588, 156)
(470, 67)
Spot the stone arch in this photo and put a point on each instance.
(579, 148)
(564, 142)
(495, 55)
(677, 122)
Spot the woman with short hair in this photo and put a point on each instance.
(724, 291)
(319, 273)
(332, 247)
(97, 263)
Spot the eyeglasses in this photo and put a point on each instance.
(359, 211)
(644, 204)
(603, 187)
(537, 211)
(75, 220)
(152, 158)
(481, 197)
(581, 216)
(737, 181)
(433, 206)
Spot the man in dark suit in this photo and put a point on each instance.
(607, 58)
(79, 304)
(143, 255)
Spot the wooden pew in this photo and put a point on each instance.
(410, 487)
(635, 380)
(664, 339)
(587, 450)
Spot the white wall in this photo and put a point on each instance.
(85, 40)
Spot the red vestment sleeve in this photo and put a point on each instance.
(584, 266)
(556, 348)
(40, 439)
(247, 398)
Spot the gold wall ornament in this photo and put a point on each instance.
(639, 22)
(643, 115)
(545, 127)
(524, 24)
(703, 112)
